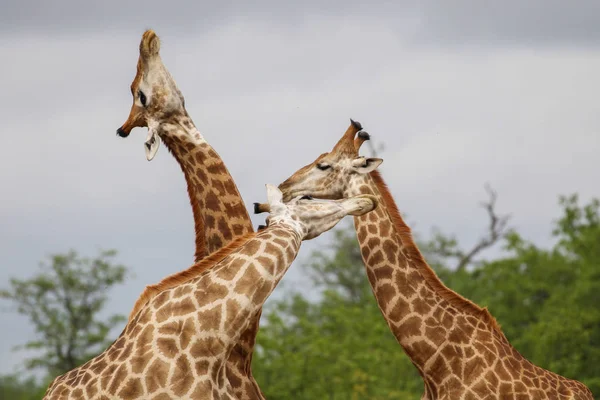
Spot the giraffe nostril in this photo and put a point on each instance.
(122, 133)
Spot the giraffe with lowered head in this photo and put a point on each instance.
(457, 346)
(220, 216)
(177, 345)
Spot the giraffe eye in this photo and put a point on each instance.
(306, 197)
(323, 167)
(142, 97)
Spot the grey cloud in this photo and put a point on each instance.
(69, 16)
(463, 22)
(509, 23)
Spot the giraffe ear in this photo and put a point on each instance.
(151, 144)
(365, 165)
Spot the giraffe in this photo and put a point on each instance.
(177, 344)
(457, 346)
(220, 216)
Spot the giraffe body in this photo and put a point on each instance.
(177, 345)
(220, 216)
(458, 348)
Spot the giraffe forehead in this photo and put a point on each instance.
(138, 76)
(339, 168)
(321, 157)
(310, 166)
(339, 159)
(153, 75)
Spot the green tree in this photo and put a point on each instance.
(566, 335)
(13, 388)
(63, 302)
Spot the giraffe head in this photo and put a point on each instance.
(313, 217)
(156, 98)
(330, 174)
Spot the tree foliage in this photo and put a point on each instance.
(13, 388)
(63, 302)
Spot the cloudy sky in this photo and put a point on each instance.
(461, 93)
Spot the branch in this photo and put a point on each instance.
(496, 230)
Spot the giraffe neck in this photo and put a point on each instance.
(253, 272)
(219, 217)
(219, 212)
(423, 314)
(250, 276)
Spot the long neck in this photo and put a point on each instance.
(219, 212)
(219, 217)
(251, 275)
(423, 314)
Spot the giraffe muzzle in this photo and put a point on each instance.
(121, 132)
(260, 208)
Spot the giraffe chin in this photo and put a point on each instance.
(151, 144)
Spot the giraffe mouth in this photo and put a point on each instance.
(151, 144)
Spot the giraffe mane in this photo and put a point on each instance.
(186, 275)
(200, 252)
(416, 257)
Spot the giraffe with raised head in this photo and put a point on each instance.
(457, 346)
(177, 345)
(220, 216)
